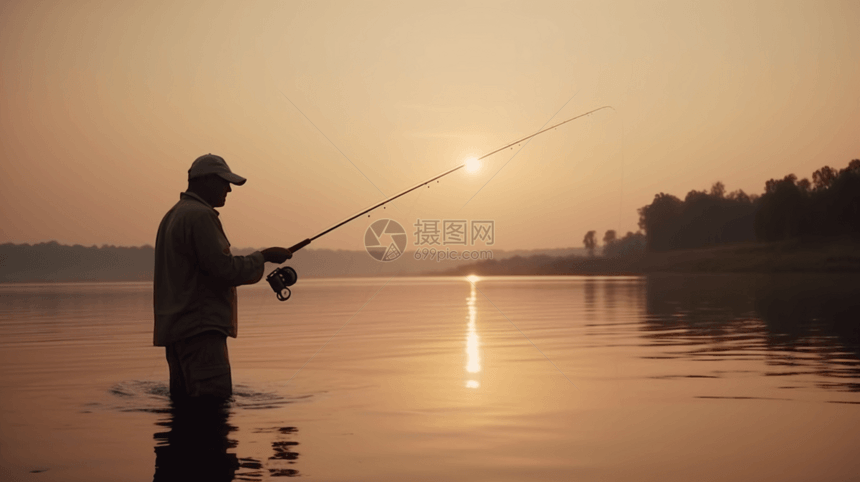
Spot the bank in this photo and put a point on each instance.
(797, 256)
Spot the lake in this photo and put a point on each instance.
(670, 378)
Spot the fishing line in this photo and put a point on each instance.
(621, 184)
(474, 284)
(282, 278)
(518, 151)
(308, 241)
(333, 144)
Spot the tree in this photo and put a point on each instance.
(589, 242)
(703, 218)
(828, 205)
(718, 189)
(782, 211)
(739, 196)
(823, 178)
(609, 237)
(842, 206)
(630, 245)
(659, 220)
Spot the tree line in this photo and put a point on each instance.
(789, 208)
(827, 206)
(613, 246)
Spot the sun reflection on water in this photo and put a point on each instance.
(473, 356)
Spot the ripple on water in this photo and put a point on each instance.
(154, 397)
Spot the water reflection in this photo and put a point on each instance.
(590, 298)
(197, 446)
(473, 356)
(796, 324)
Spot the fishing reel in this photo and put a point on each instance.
(280, 279)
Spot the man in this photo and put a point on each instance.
(195, 284)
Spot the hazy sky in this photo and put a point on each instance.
(103, 106)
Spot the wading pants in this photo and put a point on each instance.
(200, 368)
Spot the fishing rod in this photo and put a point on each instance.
(281, 278)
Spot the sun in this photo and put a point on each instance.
(473, 165)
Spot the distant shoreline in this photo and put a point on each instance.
(796, 256)
(52, 262)
(840, 255)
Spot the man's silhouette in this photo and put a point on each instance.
(195, 284)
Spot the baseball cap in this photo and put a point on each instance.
(212, 164)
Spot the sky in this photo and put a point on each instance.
(329, 107)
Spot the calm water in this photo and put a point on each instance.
(517, 378)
